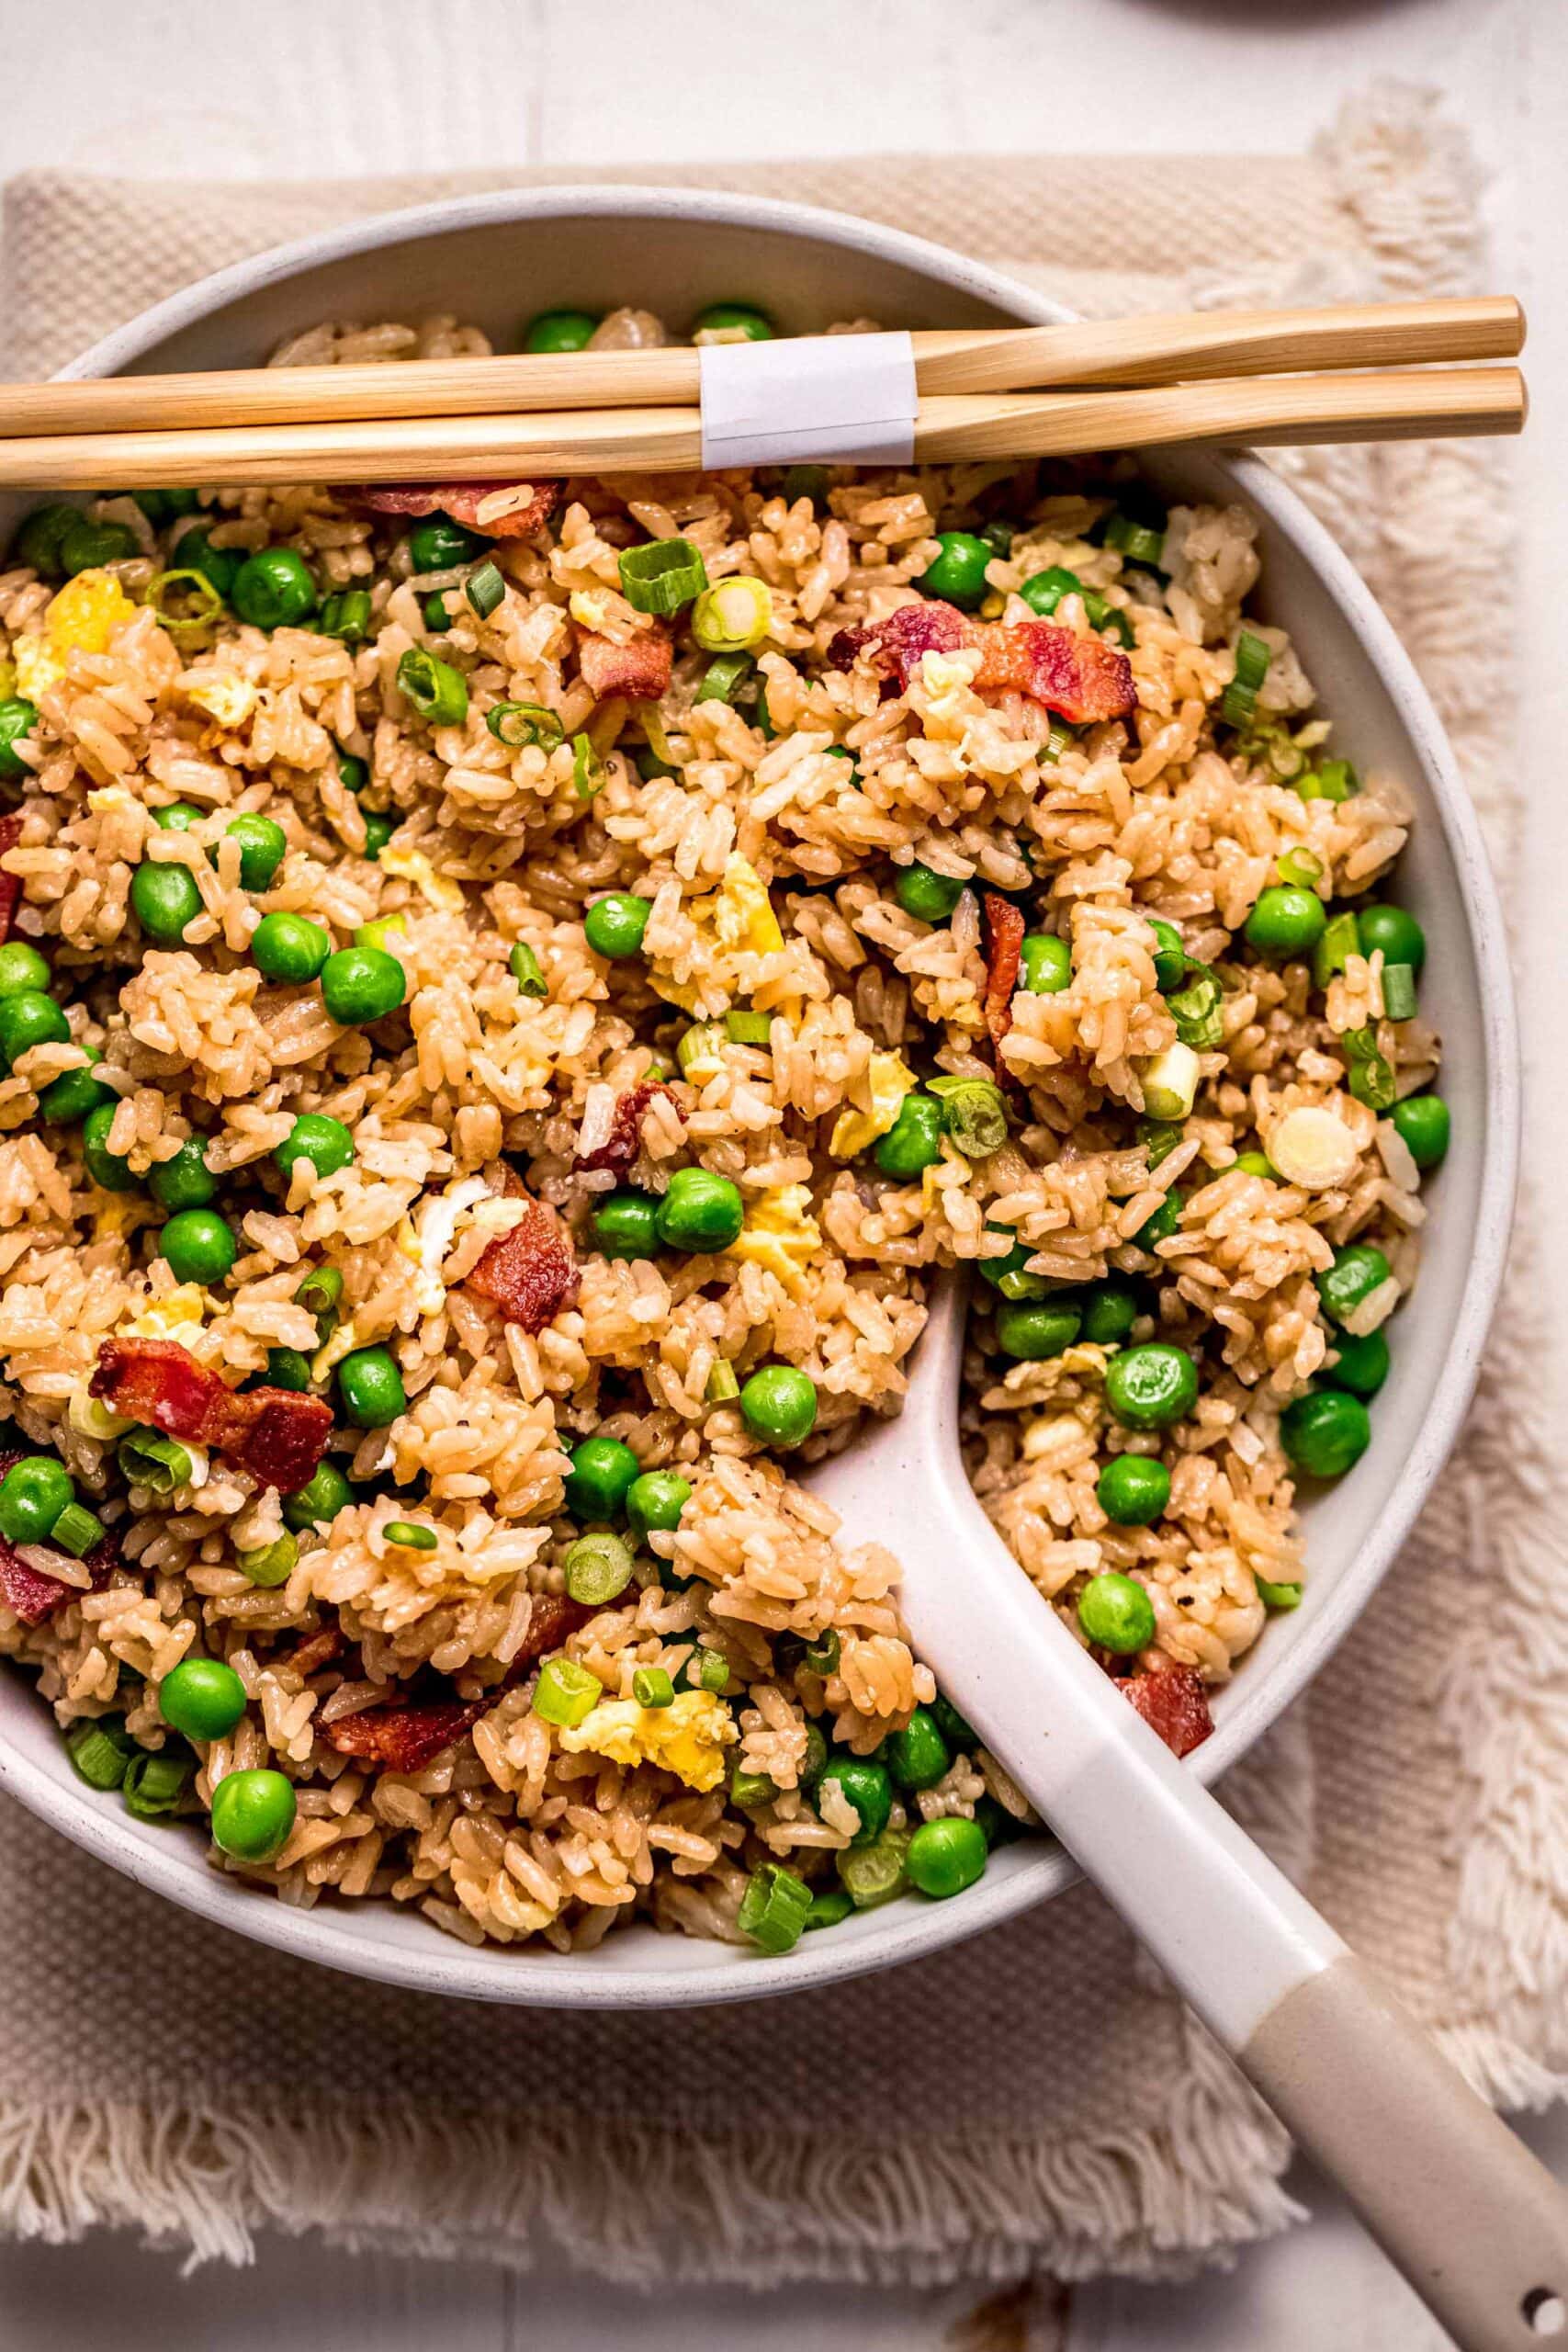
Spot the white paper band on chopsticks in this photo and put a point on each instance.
(847, 398)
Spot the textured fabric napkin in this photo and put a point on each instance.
(1037, 2099)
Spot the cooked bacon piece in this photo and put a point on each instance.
(1083, 678)
(320, 1650)
(404, 1739)
(638, 670)
(274, 1434)
(10, 884)
(461, 500)
(32, 1593)
(1174, 1703)
(1004, 947)
(624, 1141)
(530, 1273)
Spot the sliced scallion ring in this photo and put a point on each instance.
(972, 1113)
(207, 604)
(724, 676)
(588, 770)
(1198, 1008)
(1399, 992)
(485, 589)
(1371, 1080)
(662, 575)
(520, 725)
(1300, 867)
(347, 616)
(1341, 939)
(597, 1569)
(1136, 541)
(437, 691)
(732, 616)
(722, 1385)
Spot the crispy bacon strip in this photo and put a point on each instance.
(1004, 948)
(317, 1651)
(275, 1434)
(639, 670)
(624, 1141)
(1174, 1703)
(1083, 678)
(461, 500)
(10, 884)
(530, 1273)
(404, 1739)
(32, 1593)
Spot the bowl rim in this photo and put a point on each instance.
(572, 1980)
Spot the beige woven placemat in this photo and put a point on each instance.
(1034, 2098)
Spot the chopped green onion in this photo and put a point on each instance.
(713, 1671)
(722, 1384)
(588, 770)
(972, 1113)
(1341, 939)
(1136, 541)
(520, 724)
(1160, 1137)
(147, 1460)
(1198, 1008)
(827, 1907)
(1300, 867)
(774, 1908)
(1277, 1596)
(597, 1569)
(697, 1045)
(524, 967)
(749, 1790)
(723, 676)
(409, 1537)
(732, 616)
(193, 586)
(437, 691)
(485, 589)
(804, 481)
(822, 1655)
(748, 1028)
(1240, 699)
(651, 1687)
(1372, 1080)
(347, 616)
(662, 575)
(1045, 591)
(100, 1751)
(565, 1692)
(1057, 741)
(1334, 780)
(320, 1293)
(77, 1530)
(154, 1785)
(1170, 1081)
(273, 1564)
(1398, 1000)
(874, 1874)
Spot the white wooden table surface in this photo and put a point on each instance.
(277, 89)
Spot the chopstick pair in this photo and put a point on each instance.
(1363, 372)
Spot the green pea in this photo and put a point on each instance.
(33, 1493)
(1116, 1613)
(28, 1019)
(918, 1755)
(319, 1501)
(946, 1856)
(1170, 955)
(67, 1101)
(922, 892)
(729, 318)
(1110, 1311)
(654, 1502)
(1363, 1364)
(220, 567)
(162, 507)
(1133, 1490)
(21, 967)
(287, 1368)
(362, 984)
(1351, 1280)
(701, 1212)
(914, 1140)
(198, 1246)
(37, 543)
(183, 1182)
(1422, 1121)
(1010, 1274)
(1047, 964)
(105, 1167)
(201, 1697)
(1033, 1329)
(438, 544)
(371, 1388)
(1286, 921)
(165, 900)
(625, 1224)
(1397, 932)
(380, 827)
(1326, 1432)
(778, 1404)
(325, 1143)
(287, 948)
(559, 331)
(273, 589)
(954, 1729)
(1150, 1386)
(437, 617)
(19, 717)
(253, 1814)
(178, 817)
(262, 845)
(1166, 1220)
(613, 926)
(866, 1785)
(958, 574)
(87, 546)
(602, 1473)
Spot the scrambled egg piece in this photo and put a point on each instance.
(181, 1315)
(739, 915)
(780, 1235)
(81, 619)
(344, 1341)
(413, 865)
(856, 1130)
(227, 698)
(587, 609)
(688, 1738)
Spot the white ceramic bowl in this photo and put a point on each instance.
(496, 259)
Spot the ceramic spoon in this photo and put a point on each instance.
(1478, 2227)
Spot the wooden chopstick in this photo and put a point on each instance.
(1163, 349)
(1387, 405)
